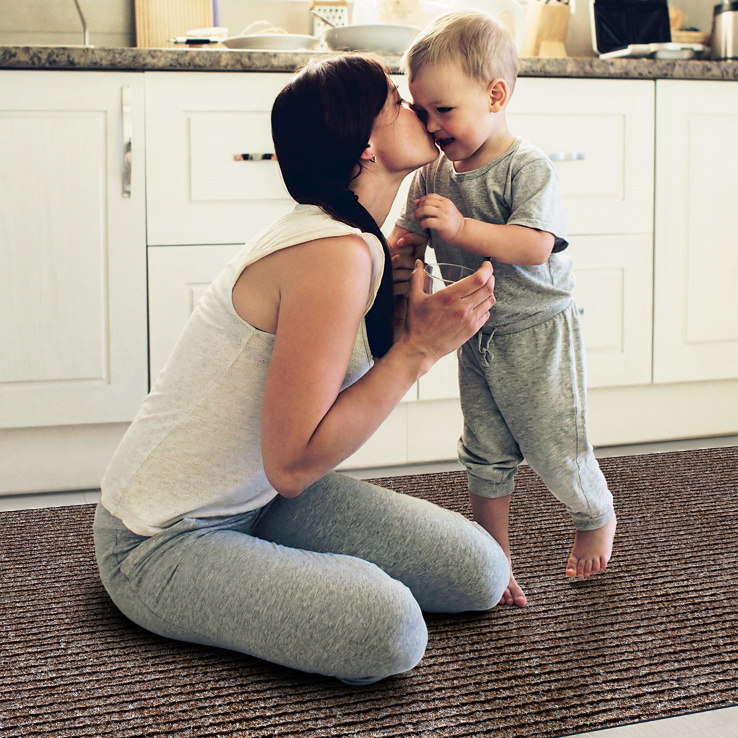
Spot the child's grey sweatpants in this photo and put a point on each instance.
(331, 582)
(523, 396)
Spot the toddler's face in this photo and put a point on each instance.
(456, 111)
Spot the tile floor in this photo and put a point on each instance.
(721, 723)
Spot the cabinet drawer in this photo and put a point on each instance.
(614, 294)
(197, 127)
(178, 276)
(599, 133)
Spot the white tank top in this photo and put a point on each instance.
(194, 448)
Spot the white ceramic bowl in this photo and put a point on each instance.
(272, 42)
(383, 38)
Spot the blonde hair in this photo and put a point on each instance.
(481, 44)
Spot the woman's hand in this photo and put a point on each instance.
(406, 248)
(438, 324)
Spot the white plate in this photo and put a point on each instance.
(272, 42)
(384, 38)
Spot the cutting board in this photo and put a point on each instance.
(157, 21)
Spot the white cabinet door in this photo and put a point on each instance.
(696, 246)
(599, 133)
(197, 127)
(72, 248)
(614, 278)
(178, 275)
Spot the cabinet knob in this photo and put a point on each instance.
(567, 156)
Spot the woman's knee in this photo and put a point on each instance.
(488, 572)
(389, 636)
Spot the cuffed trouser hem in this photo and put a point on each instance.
(582, 522)
(491, 490)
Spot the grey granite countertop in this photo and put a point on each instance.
(203, 60)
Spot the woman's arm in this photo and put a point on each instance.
(308, 425)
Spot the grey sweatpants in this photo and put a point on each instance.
(523, 396)
(331, 582)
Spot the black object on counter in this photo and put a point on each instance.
(621, 23)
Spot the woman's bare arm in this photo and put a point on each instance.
(308, 425)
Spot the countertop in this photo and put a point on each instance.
(203, 60)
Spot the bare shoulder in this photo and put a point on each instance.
(313, 270)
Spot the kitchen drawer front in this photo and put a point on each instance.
(614, 294)
(197, 127)
(178, 275)
(600, 135)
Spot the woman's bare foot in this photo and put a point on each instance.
(592, 550)
(513, 595)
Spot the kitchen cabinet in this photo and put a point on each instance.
(696, 246)
(72, 246)
(206, 180)
(178, 275)
(657, 290)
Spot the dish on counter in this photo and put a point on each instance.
(272, 42)
(383, 38)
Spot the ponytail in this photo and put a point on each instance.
(321, 124)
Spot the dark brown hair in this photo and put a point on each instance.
(321, 124)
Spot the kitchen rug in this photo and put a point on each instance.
(654, 636)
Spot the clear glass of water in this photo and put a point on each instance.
(438, 276)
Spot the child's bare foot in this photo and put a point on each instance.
(513, 595)
(592, 550)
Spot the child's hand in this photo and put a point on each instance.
(439, 213)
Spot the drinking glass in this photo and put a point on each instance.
(438, 276)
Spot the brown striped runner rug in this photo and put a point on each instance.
(654, 636)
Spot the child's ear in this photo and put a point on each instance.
(498, 95)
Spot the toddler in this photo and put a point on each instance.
(493, 196)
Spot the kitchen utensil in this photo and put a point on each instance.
(382, 38)
(725, 31)
(547, 24)
(272, 42)
(321, 18)
(328, 14)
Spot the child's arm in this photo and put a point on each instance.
(510, 244)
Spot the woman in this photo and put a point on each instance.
(221, 521)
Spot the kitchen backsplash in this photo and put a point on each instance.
(111, 22)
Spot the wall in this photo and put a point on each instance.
(111, 22)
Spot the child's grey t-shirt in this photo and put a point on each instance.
(520, 187)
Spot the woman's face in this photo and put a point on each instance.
(400, 139)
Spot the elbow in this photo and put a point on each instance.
(286, 482)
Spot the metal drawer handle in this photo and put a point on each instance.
(125, 98)
(254, 157)
(567, 156)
